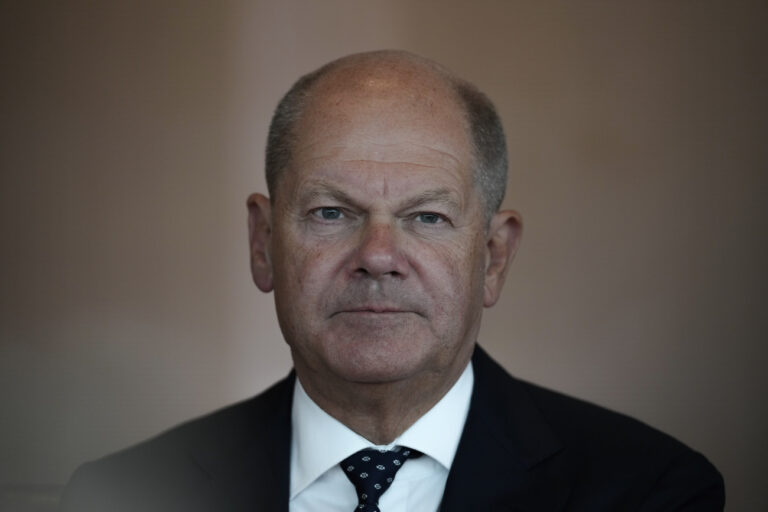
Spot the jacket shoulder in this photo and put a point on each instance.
(606, 453)
(615, 448)
(173, 470)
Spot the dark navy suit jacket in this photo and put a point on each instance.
(523, 448)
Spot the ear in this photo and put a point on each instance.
(503, 238)
(260, 237)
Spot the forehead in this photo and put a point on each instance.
(384, 113)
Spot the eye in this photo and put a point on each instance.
(430, 218)
(328, 213)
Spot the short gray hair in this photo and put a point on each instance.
(486, 132)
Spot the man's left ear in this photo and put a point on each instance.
(503, 238)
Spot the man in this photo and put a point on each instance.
(383, 242)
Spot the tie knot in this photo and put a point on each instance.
(372, 471)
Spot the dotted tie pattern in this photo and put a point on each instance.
(372, 471)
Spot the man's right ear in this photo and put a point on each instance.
(260, 239)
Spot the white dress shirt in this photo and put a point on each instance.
(319, 442)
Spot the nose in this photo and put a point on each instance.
(379, 252)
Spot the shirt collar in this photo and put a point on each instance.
(319, 441)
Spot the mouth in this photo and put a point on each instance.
(374, 310)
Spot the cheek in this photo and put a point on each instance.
(455, 274)
(302, 269)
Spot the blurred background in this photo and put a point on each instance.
(132, 132)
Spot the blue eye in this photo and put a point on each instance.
(328, 213)
(429, 218)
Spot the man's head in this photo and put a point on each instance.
(378, 240)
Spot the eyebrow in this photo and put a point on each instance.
(442, 196)
(320, 189)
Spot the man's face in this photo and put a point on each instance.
(377, 239)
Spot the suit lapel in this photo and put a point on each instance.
(508, 457)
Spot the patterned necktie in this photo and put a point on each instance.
(372, 471)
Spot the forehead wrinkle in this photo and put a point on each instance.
(358, 142)
(446, 154)
(393, 162)
(431, 148)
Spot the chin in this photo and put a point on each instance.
(379, 360)
(358, 374)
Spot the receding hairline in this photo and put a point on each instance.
(402, 66)
(395, 67)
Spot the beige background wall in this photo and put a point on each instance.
(132, 132)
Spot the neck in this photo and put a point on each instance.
(379, 412)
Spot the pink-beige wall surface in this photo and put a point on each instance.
(132, 132)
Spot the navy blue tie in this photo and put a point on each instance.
(372, 471)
